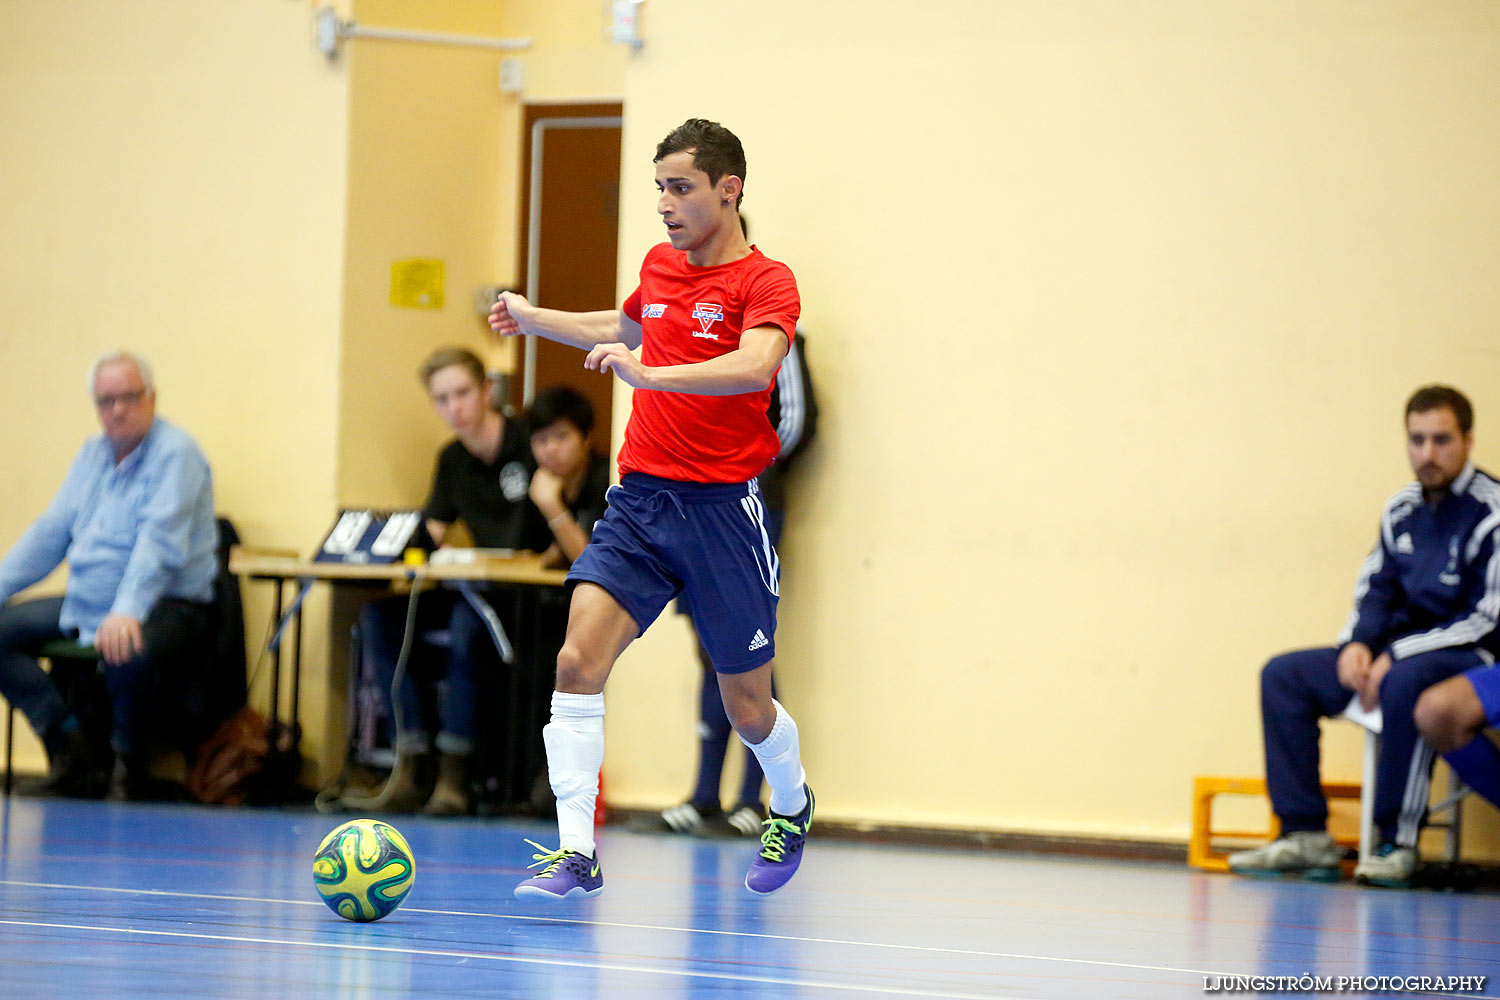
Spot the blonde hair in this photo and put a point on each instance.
(447, 357)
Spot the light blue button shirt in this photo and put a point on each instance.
(131, 533)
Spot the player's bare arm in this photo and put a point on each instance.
(749, 368)
(512, 315)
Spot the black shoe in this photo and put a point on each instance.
(131, 781)
(746, 820)
(72, 770)
(688, 818)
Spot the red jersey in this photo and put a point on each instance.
(690, 314)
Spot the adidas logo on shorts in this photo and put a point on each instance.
(759, 641)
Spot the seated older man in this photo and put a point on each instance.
(134, 520)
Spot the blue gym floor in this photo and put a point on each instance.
(120, 901)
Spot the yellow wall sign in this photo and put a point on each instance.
(417, 284)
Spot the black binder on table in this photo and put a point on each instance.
(374, 536)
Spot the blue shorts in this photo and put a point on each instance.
(706, 541)
(1486, 681)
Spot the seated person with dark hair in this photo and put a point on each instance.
(481, 478)
(1424, 612)
(570, 483)
(134, 520)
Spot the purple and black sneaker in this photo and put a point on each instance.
(781, 845)
(567, 873)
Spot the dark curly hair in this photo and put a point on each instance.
(716, 150)
(1443, 397)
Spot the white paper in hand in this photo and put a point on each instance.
(1370, 719)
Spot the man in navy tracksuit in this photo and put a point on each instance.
(1425, 610)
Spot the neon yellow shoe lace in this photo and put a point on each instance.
(771, 841)
(552, 859)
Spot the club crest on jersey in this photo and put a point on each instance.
(707, 314)
(1449, 576)
(654, 311)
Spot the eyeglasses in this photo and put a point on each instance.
(130, 398)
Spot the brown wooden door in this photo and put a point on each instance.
(574, 214)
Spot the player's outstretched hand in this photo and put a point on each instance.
(505, 314)
(618, 359)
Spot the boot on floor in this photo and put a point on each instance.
(406, 788)
(451, 796)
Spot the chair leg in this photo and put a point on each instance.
(1367, 798)
(1457, 792)
(10, 742)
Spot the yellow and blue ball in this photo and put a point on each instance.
(363, 869)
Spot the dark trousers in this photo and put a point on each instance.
(452, 675)
(171, 632)
(1297, 689)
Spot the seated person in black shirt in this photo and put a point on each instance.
(570, 483)
(482, 478)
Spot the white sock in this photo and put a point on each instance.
(780, 758)
(575, 752)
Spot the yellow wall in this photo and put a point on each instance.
(434, 173)
(1113, 308)
(1112, 312)
(422, 168)
(174, 179)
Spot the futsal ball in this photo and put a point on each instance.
(363, 869)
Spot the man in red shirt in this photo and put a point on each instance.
(713, 318)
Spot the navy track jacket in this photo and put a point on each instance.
(1433, 579)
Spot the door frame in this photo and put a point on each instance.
(548, 117)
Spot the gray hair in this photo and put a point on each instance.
(141, 365)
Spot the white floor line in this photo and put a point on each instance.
(550, 918)
(568, 963)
